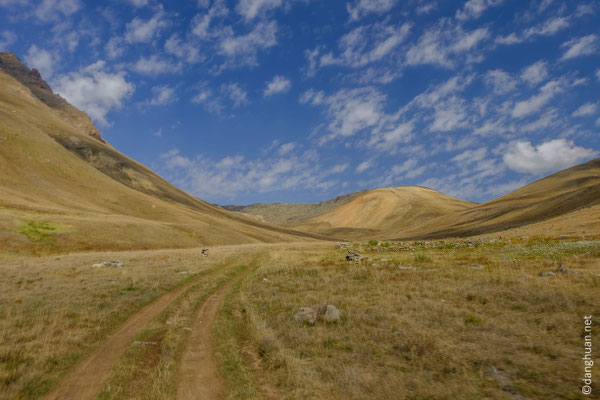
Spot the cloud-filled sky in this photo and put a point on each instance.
(243, 101)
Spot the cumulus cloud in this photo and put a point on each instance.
(155, 66)
(360, 8)
(250, 9)
(585, 110)
(500, 81)
(201, 23)
(279, 84)
(53, 9)
(582, 46)
(163, 95)
(474, 8)
(229, 96)
(535, 73)
(144, 31)
(244, 48)
(552, 155)
(42, 60)
(95, 90)
(182, 49)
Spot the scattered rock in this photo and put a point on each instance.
(187, 329)
(547, 273)
(353, 256)
(306, 315)
(563, 270)
(331, 314)
(114, 264)
(183, 273)
(204, 252)
(564, 237)
(406, 268)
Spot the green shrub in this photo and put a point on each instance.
(373, 242)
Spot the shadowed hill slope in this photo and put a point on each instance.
(289, 213)
(576, 188)
(62, 189)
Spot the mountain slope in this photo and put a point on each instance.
(289, 213)
(62, 189)
(378, 210)
(573, 189)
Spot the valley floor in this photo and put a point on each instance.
(466, 319)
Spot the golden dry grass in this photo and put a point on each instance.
(104, 200)
(444, 331)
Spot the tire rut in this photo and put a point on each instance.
(199, 373)
(85, 380)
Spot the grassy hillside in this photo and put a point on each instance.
(62, 189)
(556, 196)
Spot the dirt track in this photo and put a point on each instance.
(199, 377)
(85, 381)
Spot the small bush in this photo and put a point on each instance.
(471, 319)
(37, 231)
(373, 242)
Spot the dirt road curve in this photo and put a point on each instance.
(85, 381)
(199, 378)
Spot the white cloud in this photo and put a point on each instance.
(468, 157)
(224, 179)
(201, 23)
(449, 115)
(181, 49)
(598, 75)
(279, 84)
(42, 60)
(363, 166)
(547, 28)
(582, 46)
(250, 9)
(7, 38)
(366, 44)
(139, 3)
(361, 8)
(393, 133)
(585, 110)
(163, 95)
(500, 81)
(474, 8)
(155, 66)
(535, 103)
(553, 155)
(443, 43)
(95, 90)
(144, 31)
(245, 47)
(230, 95)
(52, 9)
(235, 93)
(535, 73)
(350, 110)
(114, 47)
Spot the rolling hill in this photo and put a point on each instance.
(575, 189)
(557, 204)
(63, 188)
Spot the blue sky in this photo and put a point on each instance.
(247, 101)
